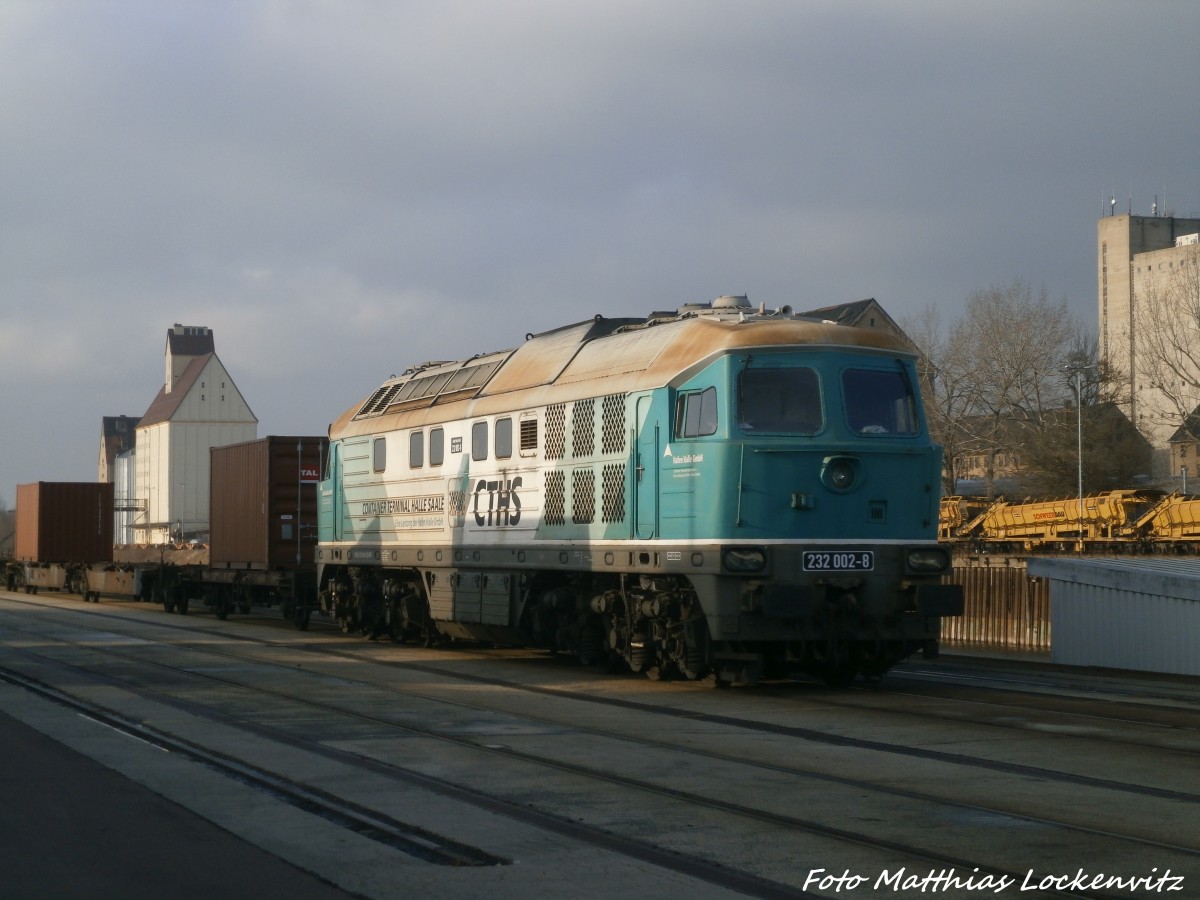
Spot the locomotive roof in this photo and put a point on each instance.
(592, 358)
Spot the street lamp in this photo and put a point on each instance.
(1077, 372)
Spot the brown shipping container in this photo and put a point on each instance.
(263, 502)
(64, 522)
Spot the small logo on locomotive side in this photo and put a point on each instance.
(683, 460)
(503, 502)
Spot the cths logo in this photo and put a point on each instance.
(503, 503)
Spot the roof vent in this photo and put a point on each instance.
(731, 301)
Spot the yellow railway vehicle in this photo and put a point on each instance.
(1131, 521)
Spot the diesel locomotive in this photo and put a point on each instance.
(719, 492)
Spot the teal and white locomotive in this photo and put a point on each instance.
(718, 492)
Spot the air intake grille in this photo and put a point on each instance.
(556, 431)
(583, 496)
(613, 488)
(583, 428)
(556, 498)
(612, 439)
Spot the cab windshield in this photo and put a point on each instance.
(780, 400)
(879, 401)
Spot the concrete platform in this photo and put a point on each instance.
(73, 828)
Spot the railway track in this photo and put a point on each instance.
(767, 792)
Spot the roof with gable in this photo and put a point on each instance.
(164, 406)
(861, 314)
(1189, 431)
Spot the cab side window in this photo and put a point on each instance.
(437, 446)
(504, 438)
(479, 441)
(696, 413)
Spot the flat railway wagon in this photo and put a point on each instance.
(1121, 521)
(716, 492)
(263, 511)
(64, 528)
(263, 531)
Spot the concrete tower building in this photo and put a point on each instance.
(1132, 250)
(197, 408)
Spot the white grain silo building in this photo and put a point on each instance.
(198, 407)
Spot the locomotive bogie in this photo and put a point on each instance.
(689, 618)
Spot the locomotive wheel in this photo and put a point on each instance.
(659, 672)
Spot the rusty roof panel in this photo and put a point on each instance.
(542, 357)
(618, 355)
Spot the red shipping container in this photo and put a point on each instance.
(263, 502)
(64, 522)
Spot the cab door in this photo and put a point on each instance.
(647, 442)
(330, 519)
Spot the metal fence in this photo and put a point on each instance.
(1004, 609)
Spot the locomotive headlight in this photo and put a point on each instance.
(929, 559)
(839, 473)
(744, 559)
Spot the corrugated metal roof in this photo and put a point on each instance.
(1139, 614)
(1145, 575)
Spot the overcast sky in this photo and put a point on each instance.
(341, 189)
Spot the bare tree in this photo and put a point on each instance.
(1167, 335)
(947, 385)
(997, 372)
(1000, 383)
